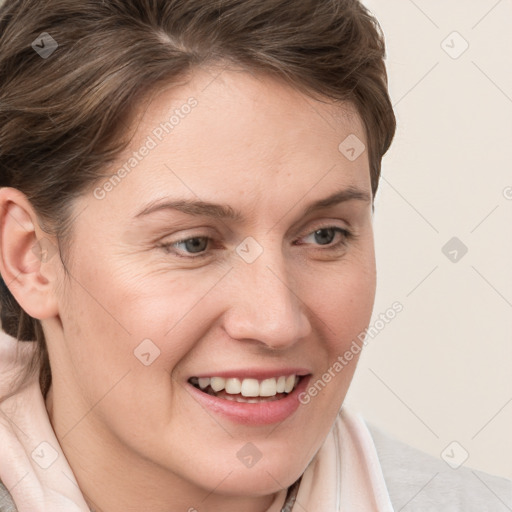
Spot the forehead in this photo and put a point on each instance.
(239, 136)
(241, 106)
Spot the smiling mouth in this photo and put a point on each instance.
(247, 390)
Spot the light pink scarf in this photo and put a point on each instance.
(344, 475)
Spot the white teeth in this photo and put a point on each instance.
(249, 387)
(217, 383)
(249, 400)
(204, 382)
(233, 386)
(269, 387)
(281, 382)
(290, 383)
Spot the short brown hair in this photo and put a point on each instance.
(62, 117)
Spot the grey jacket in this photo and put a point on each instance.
(417, 482)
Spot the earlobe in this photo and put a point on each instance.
(25, 255)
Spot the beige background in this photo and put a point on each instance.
(442, 369)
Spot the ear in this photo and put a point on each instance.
(27, 255)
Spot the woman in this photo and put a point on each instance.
(186, 241)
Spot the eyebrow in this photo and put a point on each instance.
(223, 211)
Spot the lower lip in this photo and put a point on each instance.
(263, 413)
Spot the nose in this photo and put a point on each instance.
(264, 306)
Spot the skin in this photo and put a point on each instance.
(133, 435)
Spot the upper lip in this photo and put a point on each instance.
(254, 373)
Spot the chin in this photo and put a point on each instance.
(264, 477)
(252, 483)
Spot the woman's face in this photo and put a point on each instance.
(265, 286)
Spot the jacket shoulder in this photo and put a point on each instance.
(6, 502)
(422, 482)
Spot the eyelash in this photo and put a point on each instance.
(347, 235)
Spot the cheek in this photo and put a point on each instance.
(342, 307)
(343, 300)
(123, 341)
(133, 303)
(343, 312)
